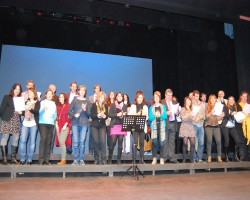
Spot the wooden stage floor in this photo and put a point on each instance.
(200, 186)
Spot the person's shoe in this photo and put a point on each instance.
(174, 161)
(141, 161)
(201, 161)
(110, 161)
(29, 163)
(209, 159)
(104, 162)
(75, 163)
(47, 163)
(62, 162)
(96, 162)
(119, 162)
(162, 161)
(184, 161)
(219, 159)
(82, 162)
(154, 162)
(22, 163)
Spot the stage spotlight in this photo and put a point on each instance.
(39, 13)
(127, 24)
(111, 22)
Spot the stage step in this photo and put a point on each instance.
(111, 169)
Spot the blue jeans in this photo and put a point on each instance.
(199, 132)
(79, 138)
(27, 132)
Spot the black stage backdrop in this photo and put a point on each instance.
(184, 61)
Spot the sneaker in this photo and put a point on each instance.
(162, 161)
(154, 161)
(75, 163)
(200, 161)
(82, 162)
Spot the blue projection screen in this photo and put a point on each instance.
(45, 66)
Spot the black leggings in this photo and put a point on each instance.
(113, 139)
(184, 147)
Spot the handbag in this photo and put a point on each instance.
(230, 123)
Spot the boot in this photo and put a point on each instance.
(226, 151)
(119, 156)
(219, 159)
(62, 162)
(4, 150)
(236, 152)
(110, 155)
(13, 155)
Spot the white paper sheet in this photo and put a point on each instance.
(195, 110)
(174, 108)
(239, 116)
(218, 109)
(51, 107)
(246, 108)
(19, 104)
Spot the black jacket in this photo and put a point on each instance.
(7, 108)
(113, 113)
(97, 122)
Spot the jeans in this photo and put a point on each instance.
(99, 136)
(199, 132)
(27, 132)
(79, 138)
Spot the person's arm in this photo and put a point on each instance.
(3, 105)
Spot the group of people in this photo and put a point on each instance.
(96, 121)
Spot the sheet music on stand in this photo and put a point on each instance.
(133, 123)
(136, 122)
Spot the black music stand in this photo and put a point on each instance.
(133, 123)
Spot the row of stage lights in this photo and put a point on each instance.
(82, 19)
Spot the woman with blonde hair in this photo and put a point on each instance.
(99, 113)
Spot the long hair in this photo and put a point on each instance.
(11, 92)
(209, 104)
(108, 101)
(128, 101)
(137, 95)
(234, 105)
(185, 103)
(244, 92)
(65, 97)
(35, 93)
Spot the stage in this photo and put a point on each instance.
(14, 171)
(205, 186)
